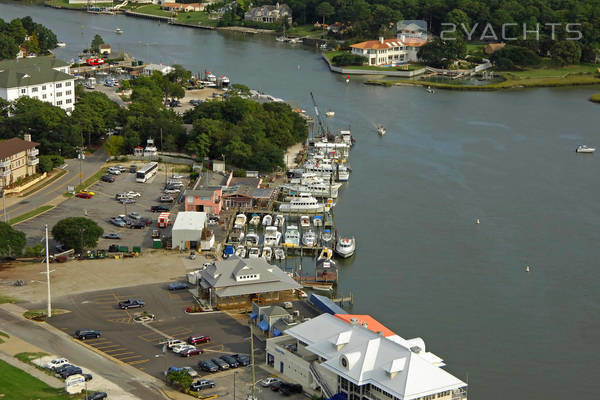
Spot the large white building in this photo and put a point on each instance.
(187, 229)
(43, 78)
(358, 363)
(389, 51)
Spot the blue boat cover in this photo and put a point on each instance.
(253, 315)
(276, 332)
(339, 396)
(263, 325)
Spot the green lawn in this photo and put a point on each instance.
(18, 385)
(153, 10)
(305, 30)
(29, 214)
(475, 49)
(411, 67)
(553, 72)
(595, 98)
(197, 18)
(65, 4)
(2, 336)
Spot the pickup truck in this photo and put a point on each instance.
(131, 303)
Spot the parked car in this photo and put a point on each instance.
(165, 198)
(114, 171)
(120, 168)
(84, 195)
(191, 371)
(108, 178)
(230, 360)
(171, 191)
(174, 342)
(138, 225)
(127, 201)
(178, 286)
(120, 196)
(63, 367)
(220, 363)
(190, 352)
(132, 168)
(132, 194)
(73, 370)
(174, 369)
(135, 215)
(198, 339)
(83, 334)
(88, 377)
(268, 381)
(56, 363)
(159, 208)
(96, 396)
(287, 388)
(275, 386)
(87, 191)
(131, 303)
(112, 235)
(208, 366)
(181, 348)
(201, 385)
(242, 359)
(118, 222)
(176, 176)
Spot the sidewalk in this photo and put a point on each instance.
(47, 379)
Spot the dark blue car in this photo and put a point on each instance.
(178, 286)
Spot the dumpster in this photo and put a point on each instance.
(100, 254)
(123, 249)
(137, 249)
(156, 244)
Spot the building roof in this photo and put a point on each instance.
(365, 357)
(104, 46)
(268, 9)
(275, 311)
(263, 193)
(189, 220)
(204, 192)
(493, 47)
(14, 145)
(222, 276)
(389, 43)
(31, 71)
(368, 322)
(244, 181)
(211, 178)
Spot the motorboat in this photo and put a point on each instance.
(430, 90)
(326, 271)
(381, 130)
(279, 220)
(345, 247)
(330, 114)
(318, 220)
(585, 149)
(281, 39)
(323, 46)
(267, 220)
(279, 254)
(240, 251)
(255, 220)
(254, 252)
(309, 238)
(292, 236)
(61, 44)
(315, 186)
(119, 31)
(304, 202)
(272, 236)
(223, 81)
(347, 138)
(267, 253)
(240, 221)
(304, 221)
(302, 294)
(236, 236)
(252, 239)
(326, 236)
(326, 254)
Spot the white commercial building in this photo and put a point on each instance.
(164, 69)
(43, 78)
(357, 363)
(187, 229)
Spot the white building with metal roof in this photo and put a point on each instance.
(350, 360)
(187, 229)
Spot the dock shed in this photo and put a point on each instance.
(187, 229)
(326, 305)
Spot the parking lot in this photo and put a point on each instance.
(138, 344)
(103, 205)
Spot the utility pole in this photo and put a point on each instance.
(234, 374)
(81, 160)
(4, 206)
(252, 359)
(48, 272)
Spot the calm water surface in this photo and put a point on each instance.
(423, 267)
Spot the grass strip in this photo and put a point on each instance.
(29, 214)
(16, 384)
(28, 357)
(89, 181)
(44, 184)
(7, 299)
(595, 98)
(3, 335)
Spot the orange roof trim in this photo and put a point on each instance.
(390, 43)
(372, 323)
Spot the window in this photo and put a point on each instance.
(68, 84)
(34, 89)
(59, 103)
(68, 92)
(69, 101)
(44, 87)
(23, 91)
(59, 85)
(43, 96)
(58, 94)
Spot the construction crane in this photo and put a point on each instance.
(322, 126)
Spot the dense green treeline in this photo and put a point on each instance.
(14, 33)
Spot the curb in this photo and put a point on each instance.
(34, 216)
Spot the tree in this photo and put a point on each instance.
(566, 52)
(12, 241)
(441, 53)
(179, 74)
(96, 42)
(17, 31)
(325, 10)
(348, 59)
(77, 233)
(8, 46)
(114, 145)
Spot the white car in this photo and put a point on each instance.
(114, 171)
(191, 371)
(175, 342)
(268, 381)
(177, 177)
(182, 348)
(57, 362)
(171, 191)
(132, 194)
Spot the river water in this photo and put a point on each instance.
(423, 267)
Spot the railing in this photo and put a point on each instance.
(34, 161)
(33, 152)
(328, 393)
(5, 173)
(5, 164)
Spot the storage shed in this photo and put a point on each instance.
(187, 229)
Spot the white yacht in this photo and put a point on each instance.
(330, 114)
(279, 254)
(304, 221)
(267, 253)
(305, 202)
(61, 44)
(255, 220)
(119, 31)
(272, 236)
(240, 221)
(345, 247)
(309, 238)
(318, 220)
(240, 251)
(314, 186)
(292, 236)
(267, 220)
(326, 236)
(347, 137)
(279, 220)
(584, 149)
(381, 130)
(252, 238)
(254, 252)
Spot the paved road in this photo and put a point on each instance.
(55, 342)
(89, 166)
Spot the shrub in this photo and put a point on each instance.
(518, 55)
(348, 59)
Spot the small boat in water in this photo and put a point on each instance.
(119, 31)
(240, 221)
(267, 220)
(279, 220)
(309, 238)
(430, 90)
(326, 236)
(318, 220)
(304, 221)
(279, 254)
(254, 252)
(267, 253)
(326, 254)
(585, 149)
(252, 239)
(292, 236)
(330, 114)
(240, 251)
(345, 247)
(255, 220)
(272, 236)
(61, 44)
(381, 130)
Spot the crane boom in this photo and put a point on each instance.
(319, 120)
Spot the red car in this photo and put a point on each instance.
(84, 195)
(198, 339)
(191, 352)
(94, 61)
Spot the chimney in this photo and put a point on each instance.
(353, 321)
(365, 325)
(380, 39)
(402, 38)
(27, 137)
